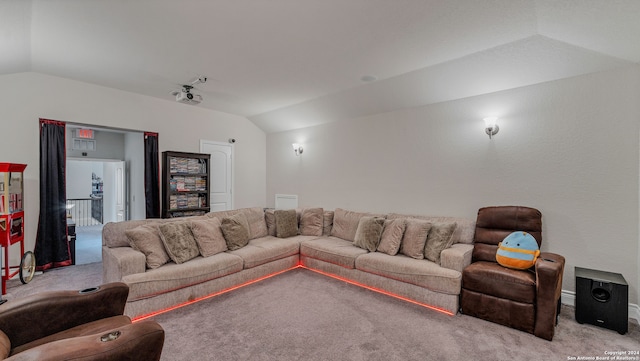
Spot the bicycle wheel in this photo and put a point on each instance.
(27, 267)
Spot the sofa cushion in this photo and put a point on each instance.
(266, 249)
(392, 236)
(256, 222)
(333, 250)
(255, 218)
(114, 233)
(146, 239)
(178, 241)
(463, 233)
(175, 276)
(345, 223)
(439, 239)
(415, 238)
(208, 236)
(270, 219)
(368, 233)
(236, 231)
(421, 273)
(327, 223)
(311, 221)
(492, 279)
(286, 223)
(224, 214)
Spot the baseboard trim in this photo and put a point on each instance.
(569, 298)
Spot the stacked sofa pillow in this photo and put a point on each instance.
(181, 240)
(284, 223)
(413, 237)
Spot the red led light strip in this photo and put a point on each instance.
(300, 265)
(379, 291)
(144, 317)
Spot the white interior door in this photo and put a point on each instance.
(114, 192)
(220, 174)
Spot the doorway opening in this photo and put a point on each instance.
(104, 183)
(95, 196)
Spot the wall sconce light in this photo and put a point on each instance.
(491, 128)
(297, 148)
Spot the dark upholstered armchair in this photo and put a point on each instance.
(84, 325)
(527, 300)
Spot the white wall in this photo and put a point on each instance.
(109, 145)
(568, 148)
(26, 97)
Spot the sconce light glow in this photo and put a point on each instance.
(491, 128)
(297, 148)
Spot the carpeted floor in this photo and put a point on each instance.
(302, 315)
(89, 244)
(66, 278)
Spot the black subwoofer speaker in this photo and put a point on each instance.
(602, 299)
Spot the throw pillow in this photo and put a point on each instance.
(146, 239)
(368, 233)
(415, 237)
(178, 241)
(439, 239)
(392, 236)
(311, 222)
(327, 223)
(208, 236)
(345, 223)
(270, 218)
(286, 223)
(256, 220)
(235, 230)
(519, 250)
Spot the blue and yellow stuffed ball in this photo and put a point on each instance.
(519, 250)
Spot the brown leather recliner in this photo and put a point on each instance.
(78, 325)
(527, 300)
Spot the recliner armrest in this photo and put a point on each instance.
(549, 269)
(33, 317)
(142, 341)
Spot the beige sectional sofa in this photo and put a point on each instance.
(320, 240)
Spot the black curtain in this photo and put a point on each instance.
(151, 175)
(52, 247)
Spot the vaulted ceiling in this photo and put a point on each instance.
(287, 64)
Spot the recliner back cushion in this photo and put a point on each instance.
(495, 223)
